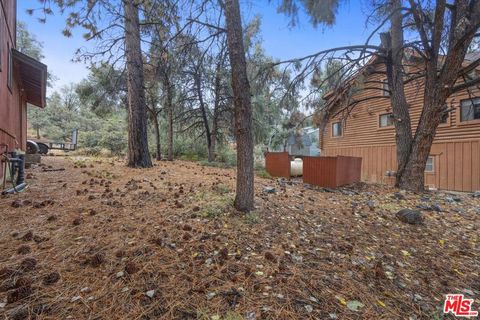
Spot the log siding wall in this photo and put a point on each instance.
(456, 148)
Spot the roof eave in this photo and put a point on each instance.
(33, 77)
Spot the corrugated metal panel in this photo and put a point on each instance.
(320, 171)
(277, 164)
(331, 172)
(348, 170)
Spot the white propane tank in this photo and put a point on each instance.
(296, 167)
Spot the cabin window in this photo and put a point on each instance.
(470, 109)
(337, 130)
(386, 88)
(385, 120)
(10, 69)
(429, 167)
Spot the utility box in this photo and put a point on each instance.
(331, 172)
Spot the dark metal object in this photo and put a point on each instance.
(17, 172)
(16, 189)
(32, 147)
(42, 148)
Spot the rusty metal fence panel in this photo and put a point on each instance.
(331, 172)
(349, 170)
(277, 164)
(320, 171)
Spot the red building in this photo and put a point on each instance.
(22, 82)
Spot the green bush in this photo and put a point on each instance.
(103, 134)
(227, 155)
(259, 157)
(190, 157)
(262, 173)
(88, 151)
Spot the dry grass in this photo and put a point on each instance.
(90, 242)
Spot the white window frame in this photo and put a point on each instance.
(469, 103)
(389, 115)
(341, 129)
(386, 88)
(432, 159)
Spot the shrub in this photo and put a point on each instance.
(262, 173)
(259, 157)
(227, 155)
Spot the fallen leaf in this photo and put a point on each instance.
(341, 300)
(354, 305)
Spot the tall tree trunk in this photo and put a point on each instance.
(198, 86)
(439, 82)
(393, 44)
(213, 136)
(169, 107)
(38, 133)
(413, 177)
(217, 102)
(138, 155)
(244, 199)
(156, 126)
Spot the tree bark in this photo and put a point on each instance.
(138, 155)
(393, 44)
(198, 87)
(156, 126)
(169, 107)
(213, 138)
(217, 102)
(244, 199)
(438, 81)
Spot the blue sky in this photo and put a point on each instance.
(279, 40)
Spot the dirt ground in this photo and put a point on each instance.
(101, 241)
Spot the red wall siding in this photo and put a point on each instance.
(456, 164)
(13, 115)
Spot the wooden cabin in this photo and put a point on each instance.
(368, 132)
(22, 82)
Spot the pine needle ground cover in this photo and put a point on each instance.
(102, 241)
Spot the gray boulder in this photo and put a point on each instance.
(371, 204)
(410, 216)
(398, 196)
(269, 190)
